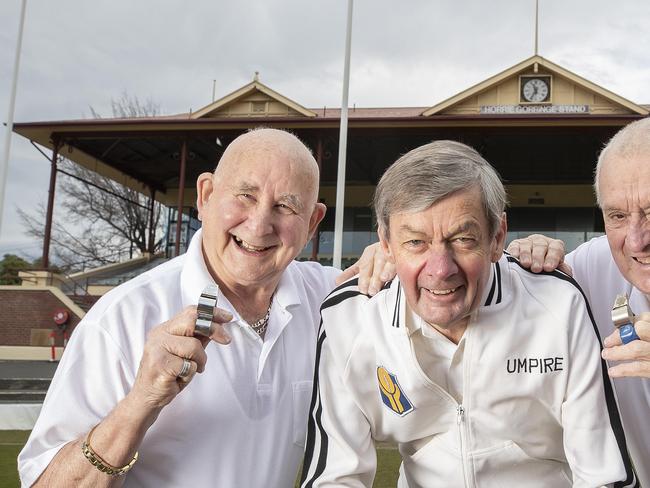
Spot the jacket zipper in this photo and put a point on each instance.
(460, 418)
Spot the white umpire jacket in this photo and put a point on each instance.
(537, 405)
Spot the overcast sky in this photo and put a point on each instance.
(79, 53)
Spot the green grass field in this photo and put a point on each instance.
(388, 461)
(11, 442)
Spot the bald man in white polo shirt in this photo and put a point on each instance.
(125, 406)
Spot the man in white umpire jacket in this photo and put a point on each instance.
(483, 373)
(616, 263)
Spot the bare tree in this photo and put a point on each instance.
(104, 222)
(129, 106)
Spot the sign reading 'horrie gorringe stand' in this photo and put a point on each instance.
(534, 109)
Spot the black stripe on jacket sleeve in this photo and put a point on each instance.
(333, 299)
(315, 424)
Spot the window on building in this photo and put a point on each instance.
(258, 107)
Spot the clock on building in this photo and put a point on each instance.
(535, 89)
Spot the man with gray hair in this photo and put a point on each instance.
(482, 372)
(615, 264)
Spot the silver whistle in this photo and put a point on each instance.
(205, 309)
(621, 312)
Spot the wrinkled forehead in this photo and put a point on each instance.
(625, 170)
(624, 178)
(270, 166)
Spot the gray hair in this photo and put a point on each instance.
(631, 141)
(431, 172)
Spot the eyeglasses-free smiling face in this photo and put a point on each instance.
(258, 211)
(443, 256)
(624, 191)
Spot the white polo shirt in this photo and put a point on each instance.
(240, 423)
(596, 272)
(439, 358)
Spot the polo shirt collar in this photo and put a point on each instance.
(287, 294)
(195, 275)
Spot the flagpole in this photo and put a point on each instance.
(536, 26)
(4, 163)
(343, 142)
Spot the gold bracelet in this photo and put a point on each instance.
(99, 463)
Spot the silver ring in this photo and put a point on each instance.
(205, 310)
(185, 369)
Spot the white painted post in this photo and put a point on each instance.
(4, 163)
(343, 142)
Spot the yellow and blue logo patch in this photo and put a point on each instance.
(391, 393)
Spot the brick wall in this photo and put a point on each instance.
(24, 310)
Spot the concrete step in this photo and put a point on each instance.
(23, 390)
(24, 384)
(22, 396)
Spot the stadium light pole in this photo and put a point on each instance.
(4, 163)
(343, 142)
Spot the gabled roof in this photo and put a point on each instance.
(248, 92)
(533, 65)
